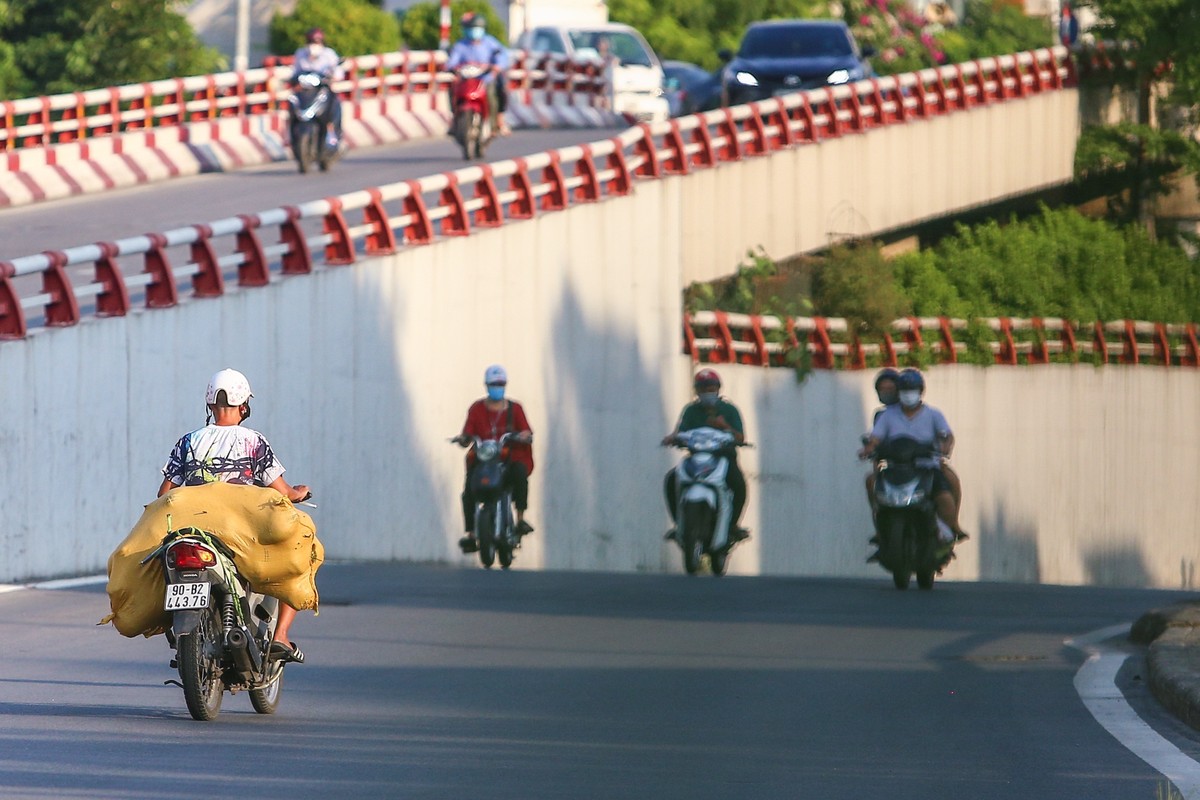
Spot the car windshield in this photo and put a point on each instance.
(788, 41)
(621, 44)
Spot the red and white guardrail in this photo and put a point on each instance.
(77, 117)
(723, 338)
(156, 270)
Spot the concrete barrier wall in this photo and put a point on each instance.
(361, 373)
(806, 197)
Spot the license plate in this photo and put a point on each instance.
(183, 596)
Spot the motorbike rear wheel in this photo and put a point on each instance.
(697, 518)
(265, 699)
(484, 525)
(199, 657)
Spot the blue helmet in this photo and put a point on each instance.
(910, 379)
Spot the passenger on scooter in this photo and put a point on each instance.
(490, 418)
(318, 59)
(711, 410)
(224, 450)
(479, 47)
(912, 418)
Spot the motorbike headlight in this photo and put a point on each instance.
(745, 79)
(838, 76)
(486, 451)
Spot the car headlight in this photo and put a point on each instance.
(745, 79)
(838, 76)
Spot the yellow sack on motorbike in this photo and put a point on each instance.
(274, 544)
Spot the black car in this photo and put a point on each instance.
(784, 56)
(690, 88)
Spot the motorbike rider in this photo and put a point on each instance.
(318, 59)
(912, 418)
(225, 450)
(710, 410)
(479, 47)
(490, 418)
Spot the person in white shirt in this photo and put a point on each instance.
(224, 450)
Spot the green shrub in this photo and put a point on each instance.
(352, 27)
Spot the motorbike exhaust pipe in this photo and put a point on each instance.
(238, 643)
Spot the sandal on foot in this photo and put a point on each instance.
(524, 527)
(286, 652)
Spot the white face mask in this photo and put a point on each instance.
(910, 398)
(315, 48)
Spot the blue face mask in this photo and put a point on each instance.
(708, 398)
(475, 33)
(495, 392)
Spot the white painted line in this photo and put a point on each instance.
(1096, 684)
(61, 583)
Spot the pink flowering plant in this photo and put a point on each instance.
(904, 41)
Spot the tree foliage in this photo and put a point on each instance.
(50, 47)
(1165, 35)
(695, 30)
(1058, 263)
(352, 27)
(421, 25)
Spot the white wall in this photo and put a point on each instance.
(361, 374)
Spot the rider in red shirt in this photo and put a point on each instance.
(489, 418)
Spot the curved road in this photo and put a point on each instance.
(436, 682)
(186, 201)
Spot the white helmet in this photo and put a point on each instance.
(233, 383)
(495, 374)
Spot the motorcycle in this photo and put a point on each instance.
(309, 107)
(472, 123)
(704, 501)
(495, 526)
(906, 522)
(221, 629)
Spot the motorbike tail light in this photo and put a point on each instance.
(190, 555)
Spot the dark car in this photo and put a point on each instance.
(784, 56)
(690, 88)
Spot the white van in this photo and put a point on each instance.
(636, 77)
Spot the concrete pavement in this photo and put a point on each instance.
(1172, 635)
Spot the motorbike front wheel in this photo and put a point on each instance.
(199, 657)
(484, 525)
(896, 549)
(305, 145)
(697, 518)
(462, 132)
(265, 698)
(718, 560)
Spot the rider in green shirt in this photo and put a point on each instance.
(710, 410)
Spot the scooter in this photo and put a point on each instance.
(221, 629)
(309, 107)
(704, 501)
(472, 123)
(906, 522)
(495, 525)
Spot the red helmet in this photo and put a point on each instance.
(315, 36)
(707, 377)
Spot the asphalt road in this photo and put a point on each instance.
(439, 682)
(185, 201)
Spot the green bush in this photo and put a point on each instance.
(857, 282)
(1056, 264)
(421, 25)
(352, 27)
